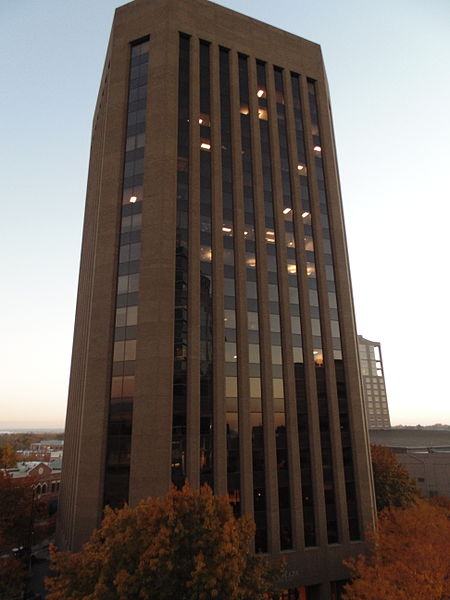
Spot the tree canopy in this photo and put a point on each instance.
(409, 557)
(393, 485)
(8, 457)
(186, 545)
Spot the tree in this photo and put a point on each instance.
(16, 502)
(8, 457)
(409, 557)
(186, 545)
(393, 485)
(16, 498)
(12, 578)
(20, 511)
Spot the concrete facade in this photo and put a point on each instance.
(374, 385)
(314, 333)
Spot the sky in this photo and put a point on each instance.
(388, 65)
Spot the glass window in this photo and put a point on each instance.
(130, 350)
(315, 325)
(230, 319)
(231, 387)
(274, 322)
(122, 284)
(128, 386)
(253, 321)
(295, 324)
(230, 352)
(335, 332)
(132, 312)
(255, 387)
(276, 355)
(118, 353)
(253, 350)
(278, 389)
(121, 317)
(133, 283)
(298, 355)
(314, 298)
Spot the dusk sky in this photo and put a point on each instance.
(388, 65)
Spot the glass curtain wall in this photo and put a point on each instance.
(324, 423)
(181, 272)
(206, 289)
(274, 300)
(231, 402)
(352, 508)
(256, 412)
(117, 468)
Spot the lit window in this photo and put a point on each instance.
(133, 199)
(318, 357)
(205, 146)
(261, 93)
(292, 268)
(262, 113)
(310, 269)
(206, 253)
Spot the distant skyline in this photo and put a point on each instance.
(387, 65)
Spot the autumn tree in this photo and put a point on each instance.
(393, 485)
(8, 457)
(20, 508)
(16, 497)
(409, 557)
(12, 578)
(16, 502)
(186, 545)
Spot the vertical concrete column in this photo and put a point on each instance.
(152, 413)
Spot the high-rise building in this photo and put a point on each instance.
(215, 337)
(374, 386)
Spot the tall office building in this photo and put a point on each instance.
(215, 337)
(374, 386)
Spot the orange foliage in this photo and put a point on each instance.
(8, 457)
(409, 559)
(12, 577)
(186, 545)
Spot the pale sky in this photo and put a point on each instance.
(388, 65)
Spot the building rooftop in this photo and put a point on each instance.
(410, 438)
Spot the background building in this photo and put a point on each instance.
(374, 386)
(424, 452)
(215, 337)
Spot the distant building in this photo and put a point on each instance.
(47, 446)
(424, 453)
(374, 387)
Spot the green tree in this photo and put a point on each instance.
(393, 485)
(409, 557)
(186, 545)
